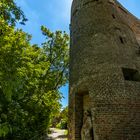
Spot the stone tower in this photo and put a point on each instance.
(104, 72)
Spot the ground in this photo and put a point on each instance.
(57, 134)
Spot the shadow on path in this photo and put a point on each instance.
(57, 138)
(62, 136)
(57, 134)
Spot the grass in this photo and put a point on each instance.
(66, 133)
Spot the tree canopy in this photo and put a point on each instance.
(30, 77)
(11, 13)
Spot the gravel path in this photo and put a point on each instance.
(57, 134)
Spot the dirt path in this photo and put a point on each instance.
(57, 134)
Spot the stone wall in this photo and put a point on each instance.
(105, 63)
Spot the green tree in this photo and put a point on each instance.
(64, 118)
(61, 121)
(30, 76)
(11, 13)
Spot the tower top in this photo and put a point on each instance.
(129, 19)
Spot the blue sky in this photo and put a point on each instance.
(55, 14)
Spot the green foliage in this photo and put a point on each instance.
(56, 48)
(62, 120)
(66, 132)
(11, 13)
(30, 78)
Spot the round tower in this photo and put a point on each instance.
(104, 72)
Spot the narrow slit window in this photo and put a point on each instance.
(113, 16)
(121, 39)
(131, 74)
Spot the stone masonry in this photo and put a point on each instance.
(104, 70)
